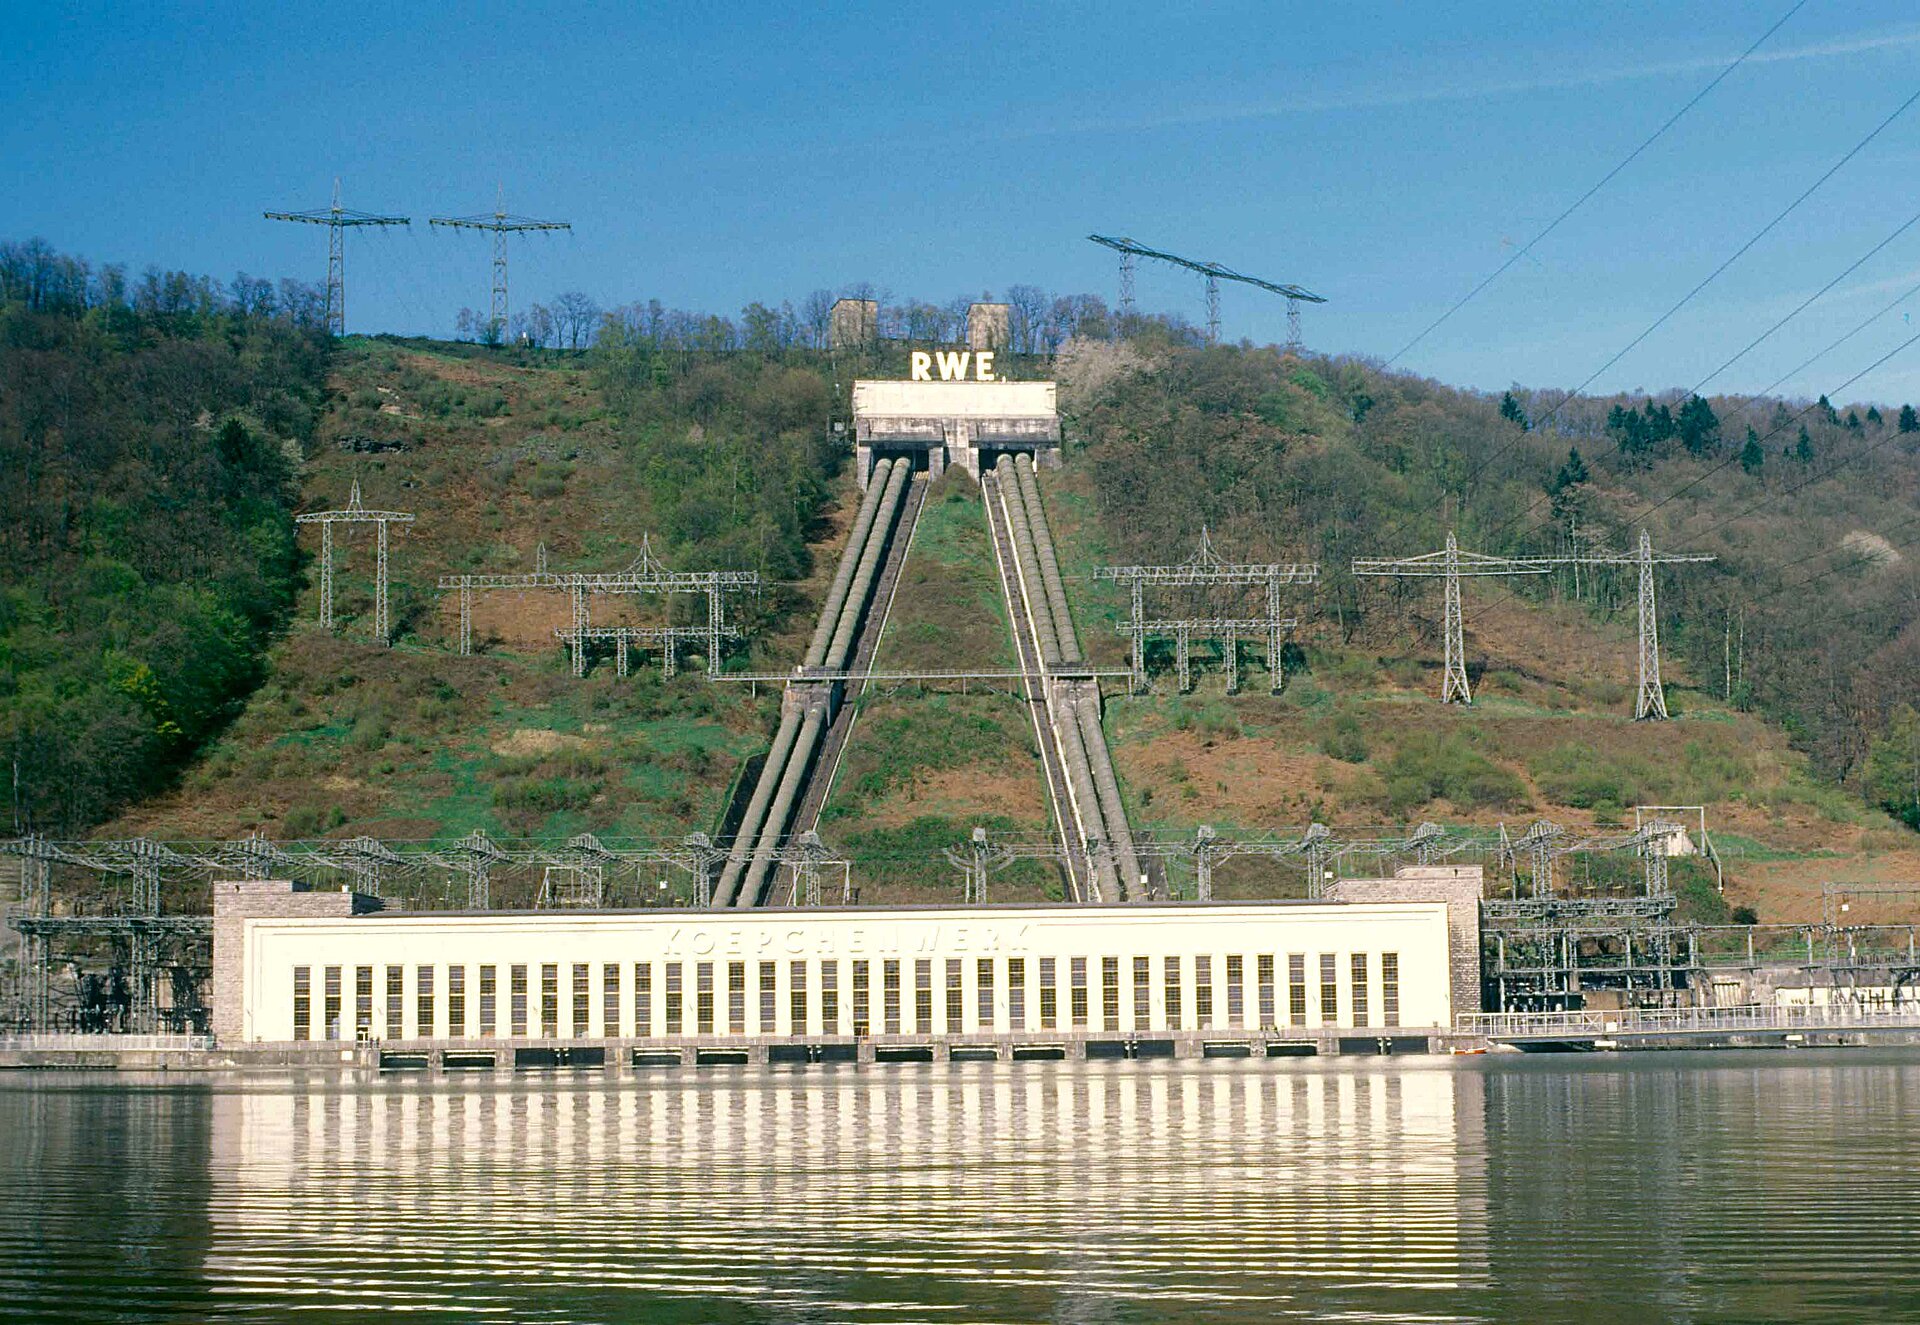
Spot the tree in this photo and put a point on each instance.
(1853, 421)
(1893, 766)
(1510, 411)
(1827, 411)
(1660, 426)
(1803, 447)
(1629, 432)
(1572, 473)
(1026, 316)
(1699, 427)
(1874, 417)
(1752, 456)
(574, 318)
(1909, 421)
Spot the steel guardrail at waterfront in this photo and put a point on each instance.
(57, 1041)
(1691, 1021)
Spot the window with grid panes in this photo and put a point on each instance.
(862, 998)
(1203, 992)
(1390, 988)
(1297, 988)
(1077, 987)
(1329, 989)
(362, 1002)
(457, 1002)
(1358, 968)
(956, 997)
(983, 991)
(676, 999)
(703, 998)
(517, 996)
(829, 998)
(1110, 993)
(610, 999)
(1236, 992)
(890, 995)
(489, 1001)
(737, 998)
(396, 1003)
(330, 1002)
(643, 998)
(1264, 974)
(423, 994)
(1175, 1008)
(769, 997)
(1142, 993)
(797, 997)
(303, 1002)
(923, 997)
(550, 999)
(1016, 993)
(1049, 994)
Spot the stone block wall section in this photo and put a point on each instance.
(1460, 887)
(236, 901)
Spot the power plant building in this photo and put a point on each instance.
(293, 966)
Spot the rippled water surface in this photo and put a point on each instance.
(1662, 1187)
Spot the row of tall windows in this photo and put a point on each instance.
(1349, 993)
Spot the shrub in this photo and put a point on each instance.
(1342, 739)
(1431, 767)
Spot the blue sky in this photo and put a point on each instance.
(1387, 156)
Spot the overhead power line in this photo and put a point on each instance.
(1481, 467)
(1526, 249)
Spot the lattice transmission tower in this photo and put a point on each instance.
(1214, 273)
(338, 221)
(1453, 565)
(499, 223)
(1650, 701)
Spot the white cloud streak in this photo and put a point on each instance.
(1414, 94)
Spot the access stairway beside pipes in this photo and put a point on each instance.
(817, 709)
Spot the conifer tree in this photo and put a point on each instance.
(1752, 456)
(1909, 421)
(1510, 411)
(1803, 448)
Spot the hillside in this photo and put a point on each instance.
(1788, 662)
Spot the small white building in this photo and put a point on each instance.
(968, 423)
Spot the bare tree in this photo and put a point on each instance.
(574, 318)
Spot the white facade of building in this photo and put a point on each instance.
(979, 971)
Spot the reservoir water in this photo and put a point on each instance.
(1687, 1187)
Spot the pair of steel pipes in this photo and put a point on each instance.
(1074, 705)
(808, 707)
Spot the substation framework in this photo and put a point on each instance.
(646, 574)
(1208, 569)
(355, 512)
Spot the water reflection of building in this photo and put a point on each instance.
(836, 1191)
